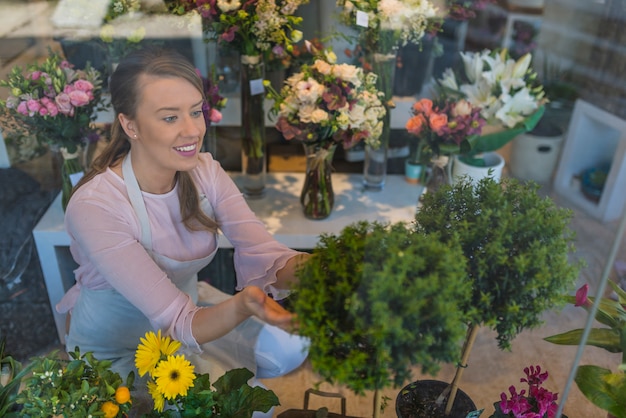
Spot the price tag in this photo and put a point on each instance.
(75, 178)
(256, 87)
(361, 18)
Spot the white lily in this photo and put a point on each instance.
(516, 108)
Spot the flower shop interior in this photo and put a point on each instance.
(578, 50)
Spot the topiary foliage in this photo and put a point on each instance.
(378, 298)
(517, 247)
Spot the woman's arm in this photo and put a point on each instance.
(215, 321)
(286, 276)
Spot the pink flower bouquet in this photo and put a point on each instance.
(52, 101)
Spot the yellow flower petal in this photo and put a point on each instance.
(174, 376)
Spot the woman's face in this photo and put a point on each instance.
(167, 132)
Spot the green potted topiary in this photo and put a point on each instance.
(516, 245)
(378, 298)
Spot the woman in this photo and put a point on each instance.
(143, 223)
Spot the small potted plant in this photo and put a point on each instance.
(604, 388)
(377, 299)
(536, 402)
(516, 245)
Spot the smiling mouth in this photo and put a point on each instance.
(186, 148)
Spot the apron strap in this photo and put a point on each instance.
(136, 200)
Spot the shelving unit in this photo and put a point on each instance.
(595, 137)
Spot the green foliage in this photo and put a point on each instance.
(603, 388)
(74, 388)
(516, 244)
(232, 397)
(11, 375)
(378, 298)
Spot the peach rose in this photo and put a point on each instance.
(437, 122)
(424, 106)
(416, 124)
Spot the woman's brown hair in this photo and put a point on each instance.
(125, 94)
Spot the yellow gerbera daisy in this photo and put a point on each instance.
(152, 348)
(157, 397)
(174, 376)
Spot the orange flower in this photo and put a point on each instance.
(437, 122)
(416, 124)
(110, 409)
(424, 106)
(122, 395)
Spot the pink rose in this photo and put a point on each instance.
(68, 89)
(438, 121)
(79, 98)
(83, 85)
(65, 64)
(22, 108)
(35, 75)
(63, 103)
(43, 111)
(33, 106)
(53, 110)
(215, 116)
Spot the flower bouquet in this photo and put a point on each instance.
(212, 110)
(254, 28)
(178, 392)
(507, 92)
(537, 403)
(601, 386)
(323, 105)
(441, 128)
(57, 104)
(383, 26)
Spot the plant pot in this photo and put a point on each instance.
(492, 167)
(413, 171)
(534, 154)
(418, 400)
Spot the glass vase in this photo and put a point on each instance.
(317, 197)
(210, 141)
(71, 172)
(375, 164)
(438, 175)
(253, 164)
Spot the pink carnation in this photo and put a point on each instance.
(22, 108)
(33, 106)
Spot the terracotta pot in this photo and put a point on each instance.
(418, 400)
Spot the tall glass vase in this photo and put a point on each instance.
(317, 197)
(375, 164)
(71, 173)
(253, 162)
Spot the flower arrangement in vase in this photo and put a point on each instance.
(604, 388)
(507, 91)
(382, 26)
(517, 248)
(177, 391)
(440, 129)
(212, 110)
(254, 28)
(537, 402)
(57, 104)
(323, 105)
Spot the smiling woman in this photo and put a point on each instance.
(143, 223)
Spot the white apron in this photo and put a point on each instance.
(105, 323)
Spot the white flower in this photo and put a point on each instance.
(343, 119)
(357, 115)
(305, 113)
(516, 107)
(349, 73)
(296, 35)
(462, 108)
(228, 5)
(308, 91)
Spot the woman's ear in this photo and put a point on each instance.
(127, 125)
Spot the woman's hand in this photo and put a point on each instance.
(257, 303)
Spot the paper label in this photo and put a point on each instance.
(75, 178)
(362, 19)
(256, 87)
